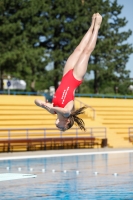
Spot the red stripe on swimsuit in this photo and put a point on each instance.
(66, 89)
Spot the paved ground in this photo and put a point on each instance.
(59, 152)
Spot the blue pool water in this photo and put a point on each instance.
(87, 177)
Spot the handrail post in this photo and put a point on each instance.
(9, 136)
(61, 134)
(129, 133)
(105, 132)
(93, 114)
(92, 109)
(91, 132)
(61, 142)
(44, 132)
(76, 137)
(77, 132)
(27, 133)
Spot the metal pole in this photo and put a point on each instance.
(61, 134)
(105, 132)
(27, 140)
(45, 133)
(8, 91)
(129, 133)
(76, 132)
(93, 114)
(27, 133)
(8, 134)
(8, 140)
(91, 132)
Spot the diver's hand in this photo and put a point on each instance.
(47, 106)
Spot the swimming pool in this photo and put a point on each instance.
(103, 176)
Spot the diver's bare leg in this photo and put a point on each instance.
(73, 58)
(82, 64)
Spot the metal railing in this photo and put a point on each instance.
(91, 108)
(130, 134)
(30, 138)
(114, 96)
(76, 94)
(27, 133)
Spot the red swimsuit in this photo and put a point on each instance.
(66, 89)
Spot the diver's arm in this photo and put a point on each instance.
(51, 109)
(65, 112)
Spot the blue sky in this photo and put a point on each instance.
(127, 12)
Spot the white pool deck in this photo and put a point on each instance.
(58, 153)
(14, 176)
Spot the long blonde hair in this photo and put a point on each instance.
(75, 119)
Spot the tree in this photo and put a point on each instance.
(19, 35)
(35, 33)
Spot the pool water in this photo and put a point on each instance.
(87, 177)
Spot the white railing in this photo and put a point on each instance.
(90, 107)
